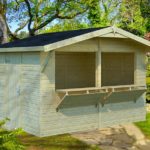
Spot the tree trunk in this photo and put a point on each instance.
(3, 30)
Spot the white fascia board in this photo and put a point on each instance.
(98, 33)
(77, 39)
(133, 37)
(22, 49)
(113, 35)
(73, 40)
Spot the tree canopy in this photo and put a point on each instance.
(34, 16)
(145, 10)
(131, 17)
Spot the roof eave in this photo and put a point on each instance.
(73, 40)
(133, 37)
(22, 49)
(98, 33)
(77, 39)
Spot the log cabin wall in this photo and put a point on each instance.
(128, 46)
(120, 108)
(65, 120)
(20, 90)
(28, 83)
(89, 117)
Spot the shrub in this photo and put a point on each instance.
(9, 139)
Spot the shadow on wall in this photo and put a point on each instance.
(86, 105)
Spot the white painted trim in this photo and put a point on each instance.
(77, 39)
(106, 32)
(22, 49)
(133, 37)
(98, 33)
(113, 35)
(43, 66)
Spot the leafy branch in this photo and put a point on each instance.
(8, 139)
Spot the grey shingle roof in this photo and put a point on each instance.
(47, 38)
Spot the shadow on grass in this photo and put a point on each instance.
(59, 142)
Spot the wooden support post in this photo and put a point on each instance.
(66, 92)
(113, 89)
(98, 66)
(46, 61)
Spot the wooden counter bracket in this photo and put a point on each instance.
(108, 90)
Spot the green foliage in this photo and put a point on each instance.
(22, 34)
(131, 18)
(148, 25)
(148, 78)
(104, 13)
(109, 12)
(94, 13)
(145, 10)
(37, 14)
(65, 25)
(8, 139)
(40, 15)
(145, 126)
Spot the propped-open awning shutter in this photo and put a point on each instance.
(92, 96)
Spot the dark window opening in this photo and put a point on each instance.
(75, 70)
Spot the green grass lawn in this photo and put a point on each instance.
(145, 126)
(148, 80)
(60, 142)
